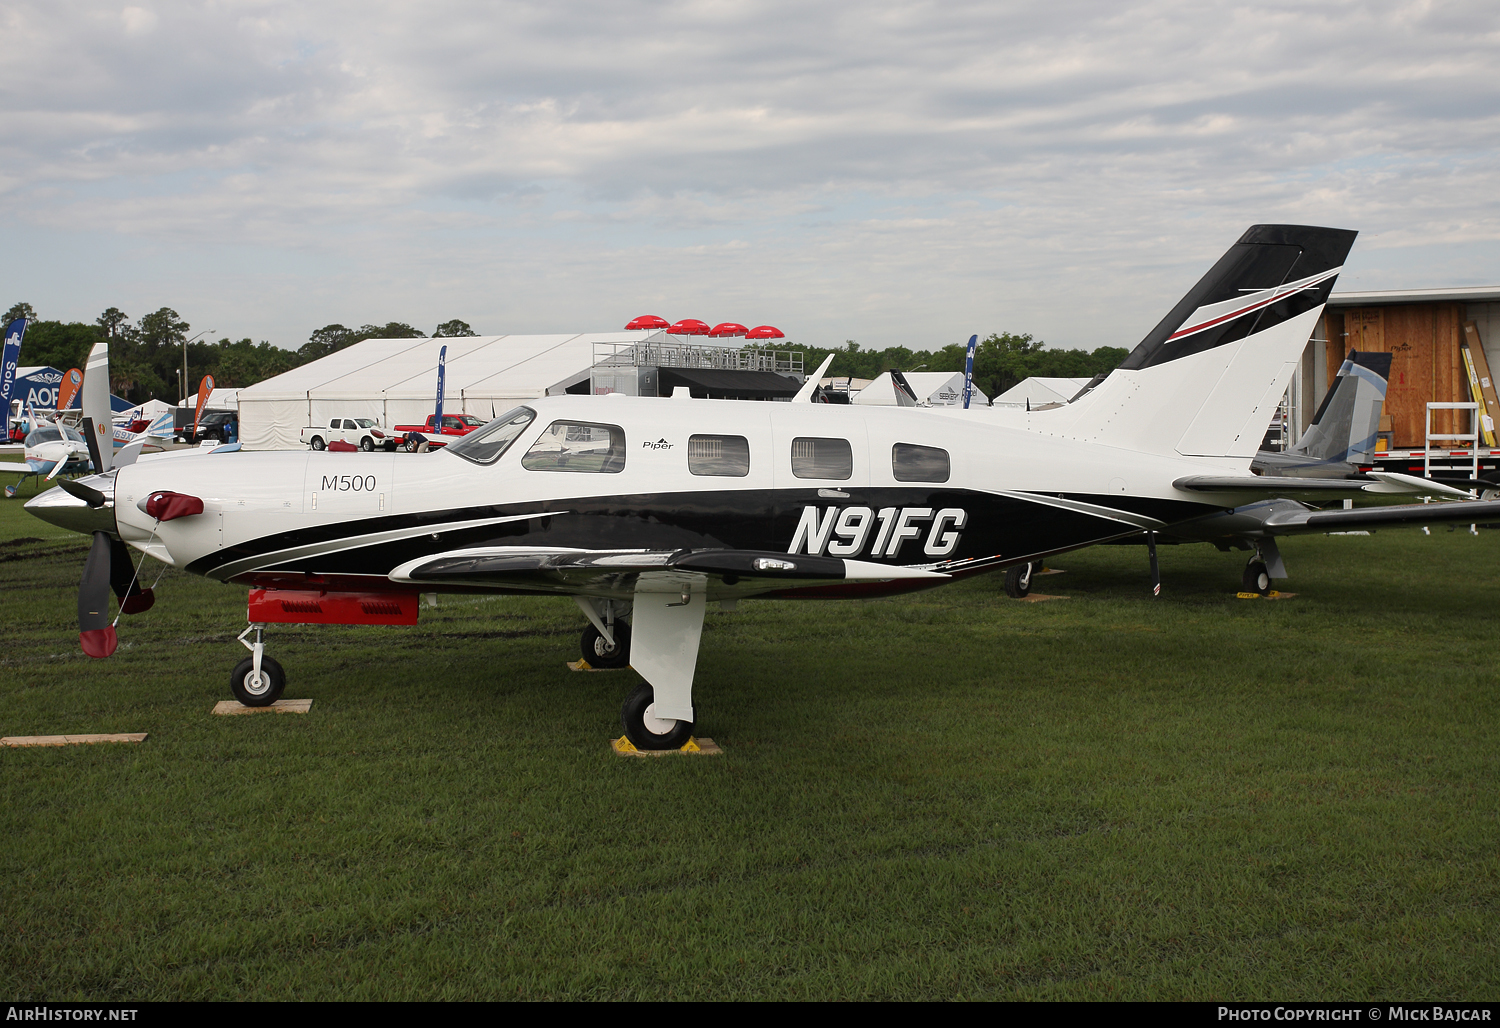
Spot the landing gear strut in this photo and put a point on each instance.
(257, 680)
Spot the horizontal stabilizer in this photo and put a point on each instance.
(1466, 511)
(1272, 487)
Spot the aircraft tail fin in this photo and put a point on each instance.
(1348, 420)
(906, 396)
(1207, 379)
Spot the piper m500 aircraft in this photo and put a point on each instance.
(647, 510)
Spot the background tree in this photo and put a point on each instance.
(453, 329)
(63, 346)
(20, 310)
(112, 322)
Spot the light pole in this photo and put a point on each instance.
(185, 342)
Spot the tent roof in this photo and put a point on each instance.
(926, 384)
(502, 366)
(1040, 389)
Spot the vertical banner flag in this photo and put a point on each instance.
(10, 360)
(204, 388)
(969, 369)
(69, 388)
(437, 415)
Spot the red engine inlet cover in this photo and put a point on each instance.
(167, 506)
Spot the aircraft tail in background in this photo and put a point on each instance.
(1342, 433)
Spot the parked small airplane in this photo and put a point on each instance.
(49, 450)
(646, 510)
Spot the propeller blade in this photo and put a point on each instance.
(94, 630)
(92, 497)
(56, 468)
(133, 599)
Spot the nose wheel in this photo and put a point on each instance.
(258, 680)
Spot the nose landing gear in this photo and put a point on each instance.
(257, 680)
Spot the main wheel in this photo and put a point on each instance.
(1018, 580)
(599, 653)
(367, 444)
(253, 692)
(318, 443)
(645, 729)
(1256, 578)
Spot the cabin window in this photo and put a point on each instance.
(578, 446)
(913, 463)
(723, 456)
(822, 458)
(486, 445)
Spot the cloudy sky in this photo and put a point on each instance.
(894, 173)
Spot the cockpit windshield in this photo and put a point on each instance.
(486, 445)
(53, 434)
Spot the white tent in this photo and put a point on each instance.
(1039, 390)
(219, 399)
(149, 411)
(395, 381)
(935, 388)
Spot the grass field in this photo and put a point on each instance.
(948, 795)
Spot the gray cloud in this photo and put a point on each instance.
(891, 171)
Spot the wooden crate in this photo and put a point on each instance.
(1426, 366)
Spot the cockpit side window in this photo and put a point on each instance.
(578, 446)
(486, 445)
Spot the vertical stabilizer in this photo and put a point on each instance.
(1206, 381)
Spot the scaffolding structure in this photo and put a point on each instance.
(668, 352)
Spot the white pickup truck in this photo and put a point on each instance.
(365, 433)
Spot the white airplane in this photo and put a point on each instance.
(646, 510)
(48, 450)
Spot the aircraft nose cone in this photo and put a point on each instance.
(58, 506)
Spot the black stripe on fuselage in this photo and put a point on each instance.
(995, 526)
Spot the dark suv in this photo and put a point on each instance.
(220, 425)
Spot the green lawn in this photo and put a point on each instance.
(948, 795)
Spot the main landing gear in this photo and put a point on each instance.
(645, 730)
(1256, 578)
(666, 623)
(1018, 579)
(600, 652)
(257, 681)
